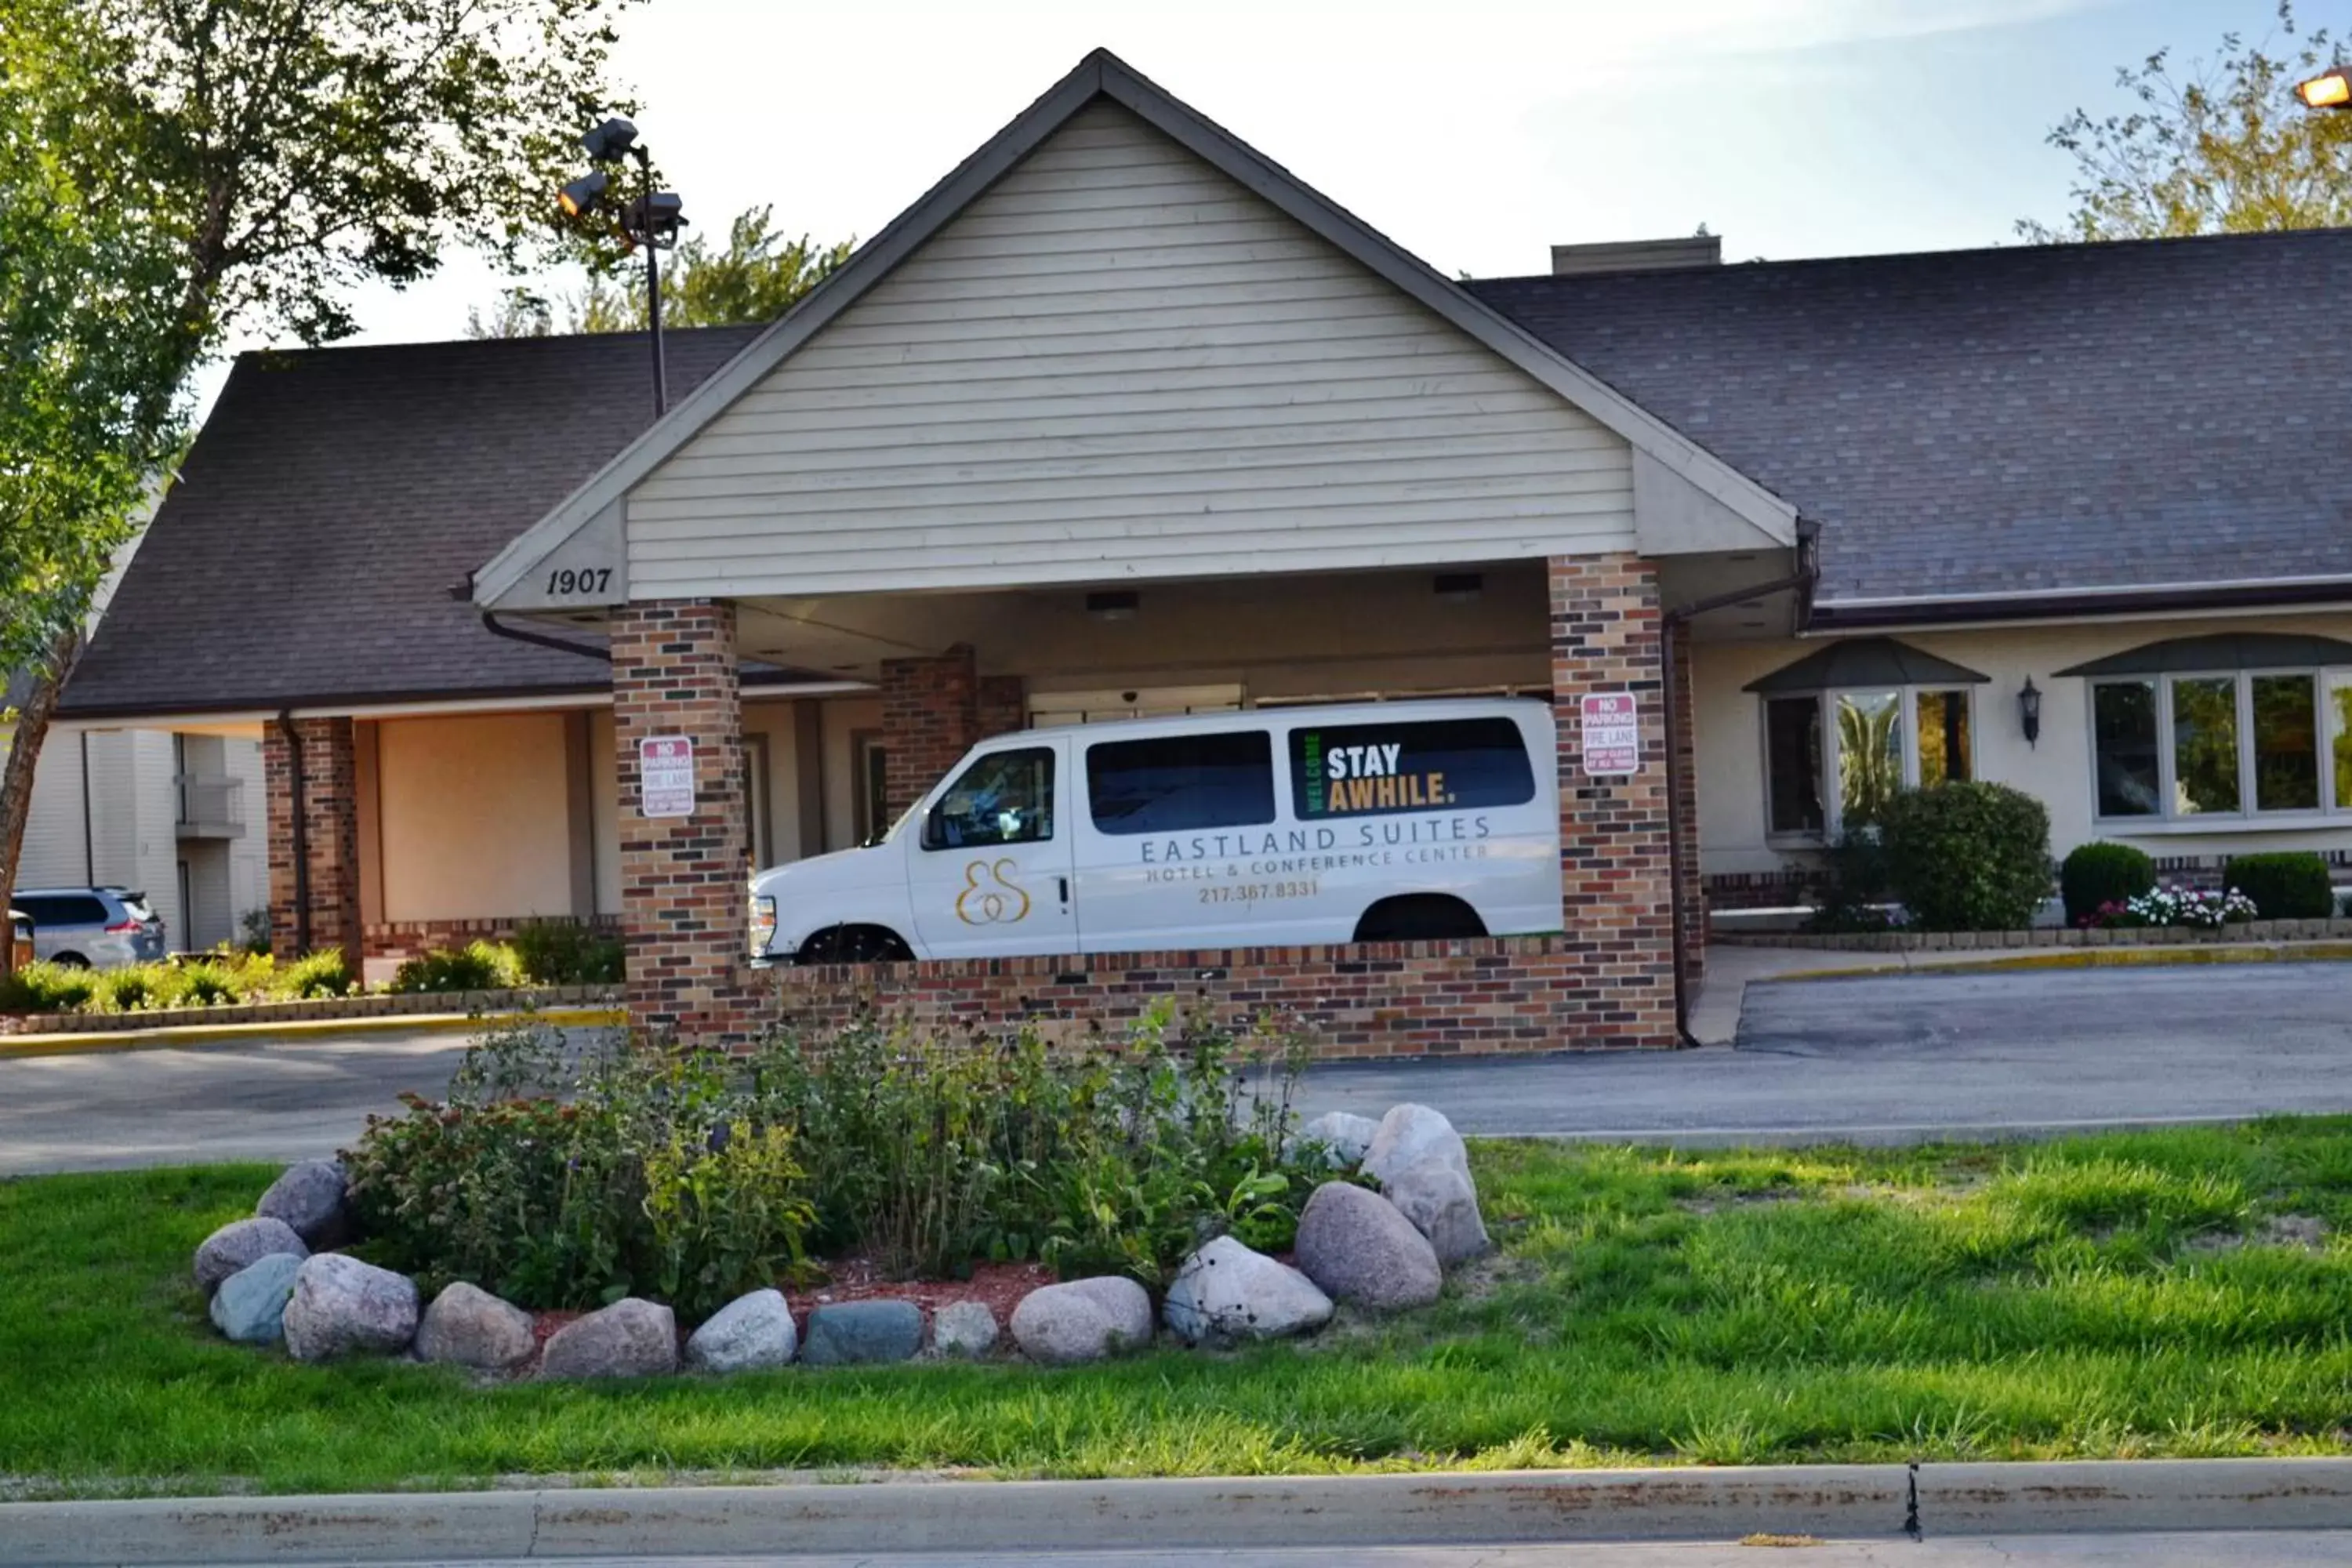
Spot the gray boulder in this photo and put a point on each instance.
(1225, 1293)
(963, 1331)
(1346, 1136)
(467, 1326)
(628, 1338)
(250, 1305)
(1408, 1135)
(856, 1333)
(1443, 1207)
(751, 1334)
(310, 1197)
(240, 1244)
(1083, 1320)
(1359, 1247)
(344, 1307)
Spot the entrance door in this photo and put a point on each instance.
(991, 861)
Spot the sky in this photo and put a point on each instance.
(1475, 134)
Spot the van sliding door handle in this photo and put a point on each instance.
(1065, 881)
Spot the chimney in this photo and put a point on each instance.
(1637, 255)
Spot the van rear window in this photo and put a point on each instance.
(1173, 783)
(1432, 764)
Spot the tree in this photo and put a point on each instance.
(176, 168)
(758, 277)
(2219, 148)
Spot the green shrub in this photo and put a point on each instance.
(1852, 886)
(130, 989)
(560, 953)
(209, 984)
(1969, 855)
(693, 1176)
(46, 988)
(2285, 885)
(253, 932)
(322, 973)
(640, 1173)
(476, 966)
(2096, 875)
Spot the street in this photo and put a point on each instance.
(1882, 1058)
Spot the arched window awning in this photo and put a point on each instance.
(1866, 662)
(2222, 650)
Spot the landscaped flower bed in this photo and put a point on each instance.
(562, 1217)
(556, 962)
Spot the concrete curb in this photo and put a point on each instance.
(196, 1036)
(971, 1517)
(2075, 958)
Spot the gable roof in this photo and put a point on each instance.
(332, 500)
(1103, 76)
(1990, 426)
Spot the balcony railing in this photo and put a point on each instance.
(211, 806)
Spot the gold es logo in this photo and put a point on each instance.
(990, 895)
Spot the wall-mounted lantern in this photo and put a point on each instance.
(2029, 711)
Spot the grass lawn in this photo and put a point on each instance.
(2170, 1293)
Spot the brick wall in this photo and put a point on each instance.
(331, 825)
(685, 913)
(1003, 705)
(1493, 997)
(931, 716)
(1615, 868)
(406, 939)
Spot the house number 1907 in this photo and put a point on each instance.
(579, 579)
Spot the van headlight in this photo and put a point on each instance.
(763, 922)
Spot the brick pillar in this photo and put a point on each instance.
(330, 822)
(1693, 888)
(1001, 708)
(685, 914)
(931, 716)
(1614, 863)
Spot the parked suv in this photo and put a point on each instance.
(91, 928)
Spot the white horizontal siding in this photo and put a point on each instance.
(1118, 362)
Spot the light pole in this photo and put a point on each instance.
(2333, 90)
(651, 218)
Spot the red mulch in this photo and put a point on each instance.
(1000, 1285)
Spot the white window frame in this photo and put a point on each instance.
(1832, 786)
(2249, 817)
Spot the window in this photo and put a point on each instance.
(63, 910)
(1856, 750)
(1792, 745)
(1430, 765)
(1945, 753)
(1006, 797)
(2245, 744)
(869, 813)
(1174, 783)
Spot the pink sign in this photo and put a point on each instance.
(666, 775)
(1612, 734)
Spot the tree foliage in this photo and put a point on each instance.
(756, 277)
(2219, 147)
(172, 169)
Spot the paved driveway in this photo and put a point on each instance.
(1887, 1058)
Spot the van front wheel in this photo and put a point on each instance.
(856, 944)
(1420, 917)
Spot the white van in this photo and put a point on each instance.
(1371, 822)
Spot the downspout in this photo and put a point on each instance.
(88, 839)
(497, 628)
(1670, 628)
(301, 811)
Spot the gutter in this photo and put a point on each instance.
(1887, 615)
(300, 811)
(1670, 626)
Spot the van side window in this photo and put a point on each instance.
(1435, 765)
(1006, 797)
(1171, 783)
